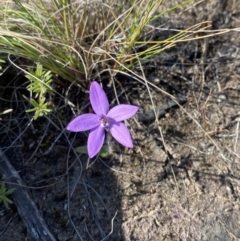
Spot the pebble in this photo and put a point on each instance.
(221, 97)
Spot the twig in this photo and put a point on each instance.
(27, 209)
(149, 116)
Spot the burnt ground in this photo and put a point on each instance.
(181, 185)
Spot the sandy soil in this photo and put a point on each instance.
(181, 185)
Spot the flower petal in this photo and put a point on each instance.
(83, 123)
(122, 112)
(121, 133)
(95, 141)
(98, 99)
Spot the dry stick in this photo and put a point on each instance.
(27, 209)
(149, 116)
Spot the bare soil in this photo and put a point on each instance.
(183, 184)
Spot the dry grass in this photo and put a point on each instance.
(183, 173)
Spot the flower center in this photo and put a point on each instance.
(104, 122)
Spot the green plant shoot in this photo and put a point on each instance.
(4, 192)
(40, 86)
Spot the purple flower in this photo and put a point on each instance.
(104, 119)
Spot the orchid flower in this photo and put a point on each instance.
(103, 119)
